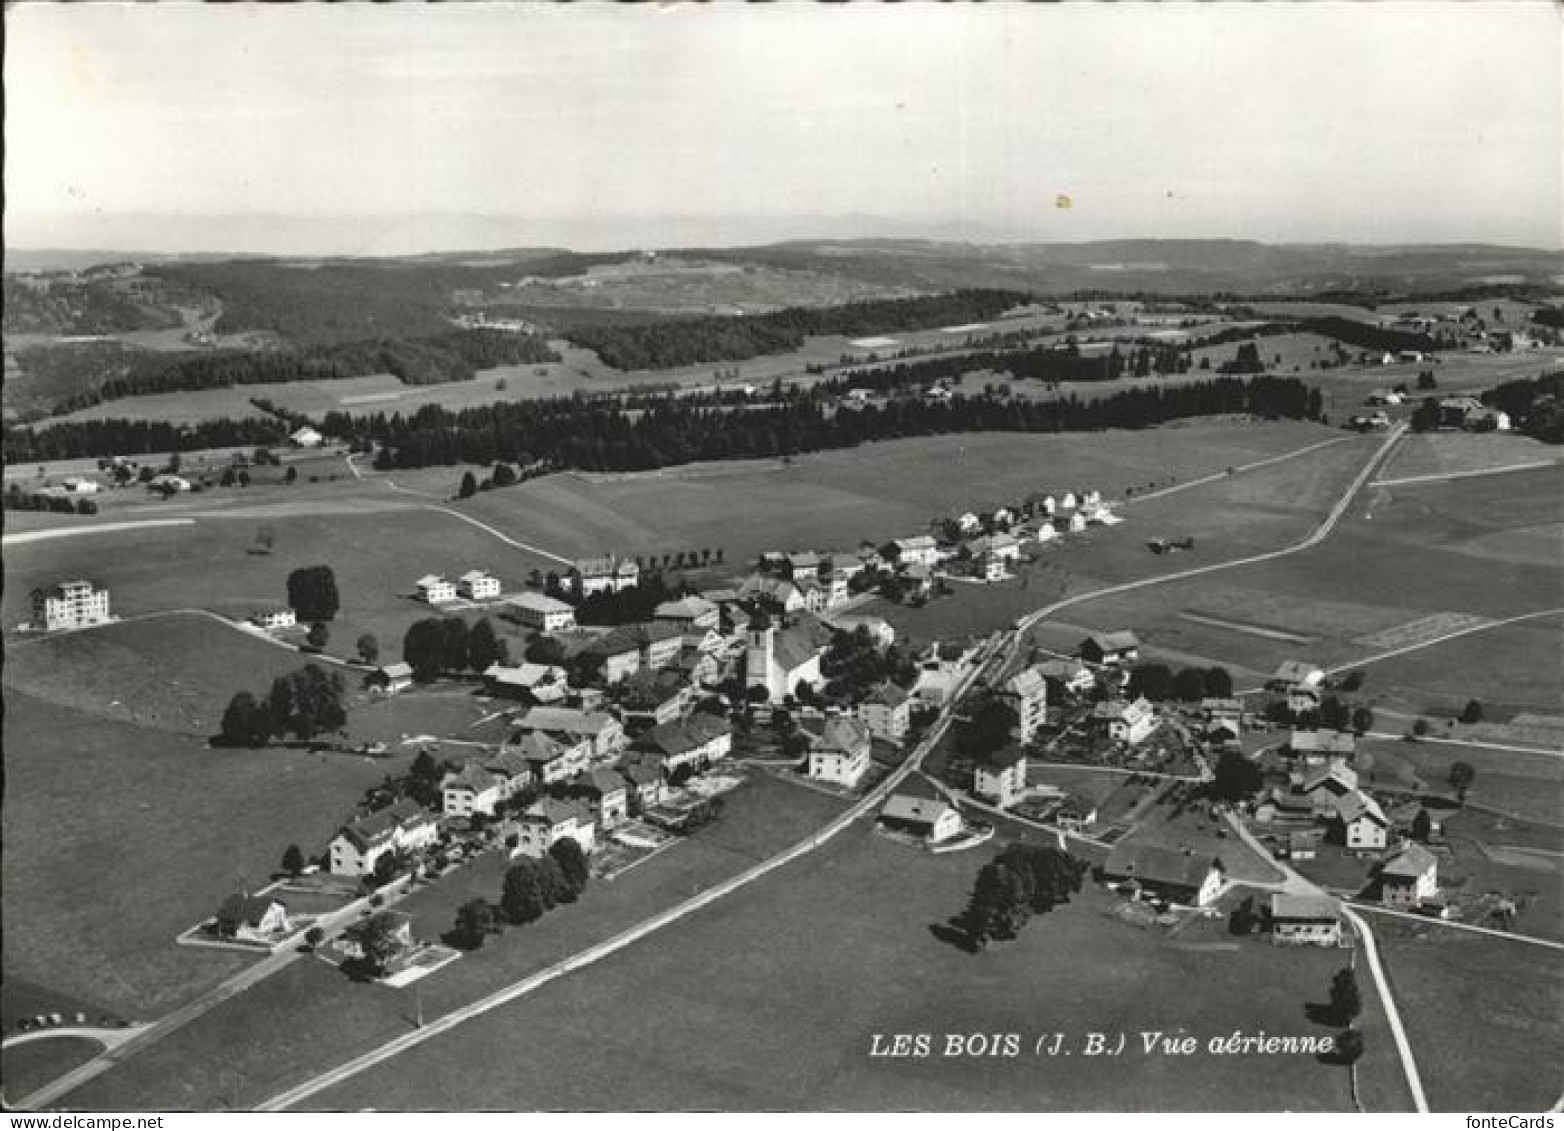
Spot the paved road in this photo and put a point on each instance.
(26, 536)
(1392, 1015)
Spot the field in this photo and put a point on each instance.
(1455, 453)
(836, 500)
(1459, 993)
(1509, 781)
(302, 1019)
(838, 949)
(118, 837)
(29, 1066)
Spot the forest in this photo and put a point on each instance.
(135, 437)
(674, 342)
(454, 355)
(602, 436)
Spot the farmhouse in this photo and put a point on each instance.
(70, 604)
(651, 698)
(1109, 648)
(773, 593)
(536, 610)
(798, 566)
(688, 612)
(1317, 746)
(839, 754)
(887, 712)
(698, 741)
(1066, 678)
(388, 679)
(1455, 412)
(1409, 878)
(604, 575)
(989, 568)
(1001, 777)
(533, 683)
(273, 619)
(1001, 546)
(1294, 673)
(602, 732)
(918, 550)
(1327, 785)
(606, 793)
(1280, 805)
(305, 437)
(434, 589)
(930, 818)
(1304, 920)
(77, 485)
(551, 759)
(252, 918)
(1026, 693)
(476, 585)
(1362, 822)
(359, 846)
(1181, 878)
(1121, 721)
(780, 660)
(471, 790)
(644, 785)
(550, 820)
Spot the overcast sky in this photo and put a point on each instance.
(596, 125)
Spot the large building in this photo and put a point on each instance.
(780, 659)
(539, 611)
(70, 604)
(604, 575)
(1026, 692)
(358, 847)
(841, 753)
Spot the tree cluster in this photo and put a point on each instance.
(303, 703)
(436, 645)
(1022, 881)
(312, 593)
(534, 887)
(1157, 682)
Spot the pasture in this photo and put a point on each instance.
(119, 836)
(836, 500)
(1456, 453)
(1527, 785)
(309, 1016)
(1459, 992)
(838, 948)
(29, 1066)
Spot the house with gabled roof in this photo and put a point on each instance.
(1409, 878)
(608, 574)
(552, 758)
(1002, 546)
(931, 818)
(839, 752)
(1067, 678)
(1304, 920)
(1326, 785)
(1110, 648)
(549, 820)
(1184, 878)
(530, 683)
(887, 711)
(1000, 778)
(478, 585)
(434, 589)
(645, 785)
(471, 791)
(604, 733)
(388, 679)
(403, 826)
(1317, 746)
(1363, 824)
(1129, 722)
(688, 612)
(700, 740)
(252, 918)
(542, 612)
(605, 791)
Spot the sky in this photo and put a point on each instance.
(402, 127)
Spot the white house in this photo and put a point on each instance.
(840, 755)
(918, 550)
(391, 678)
(1182, 878)
(887, 712)
(1364, 824)
(359, 846)
(536, 610)
(70, 604)
(1001, 778)
(1121, 721)
(471, 790)
(252, 918)
(306, 437)
(604, 575)
(933, 819)
(1304, 920)
(435, 590)
(550, 820)
(76, 485)
(273, 619)
(1026, 692)
(1410, 877)
(779, 660)
(476, 585)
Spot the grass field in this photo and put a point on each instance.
(837, 949)
(1459, 993)
(118, 837)
(1507, 780)
(839, 499)
(309, 1016)
(29, 1066)
(1453, 453)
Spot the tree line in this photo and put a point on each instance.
(598, 436)
(117, 436)
(1536, 405)
(303, 703)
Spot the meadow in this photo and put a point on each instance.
(1459, 993)
(837, 949)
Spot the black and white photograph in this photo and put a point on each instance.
(776, 558)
